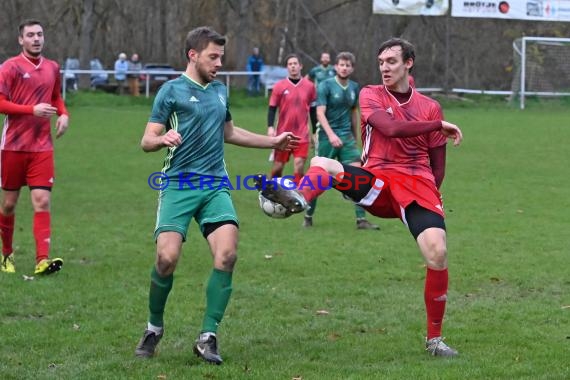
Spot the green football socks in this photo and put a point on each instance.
(159, 290)
(217, 298)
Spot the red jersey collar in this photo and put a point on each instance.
(36, 62)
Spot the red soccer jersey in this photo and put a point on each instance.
(24, 83)
(293, 101)
(408, 155)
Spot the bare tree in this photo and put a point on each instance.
(450, 52)
(86, 37)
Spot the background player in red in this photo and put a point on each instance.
(404, 140)
(295, 98)
(29, 96)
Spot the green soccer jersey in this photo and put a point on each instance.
(320, 73)
(198, 113)
(340, 101)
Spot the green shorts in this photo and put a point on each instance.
(347, 154)
(177, 207)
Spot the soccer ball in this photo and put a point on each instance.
(272, 209)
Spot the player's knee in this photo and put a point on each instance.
(225, 259)
(318, 161)
(8, 207)
(41, 202)
(166, 262)
(436, 254)
(333, 167)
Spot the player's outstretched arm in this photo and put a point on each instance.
(241, 137)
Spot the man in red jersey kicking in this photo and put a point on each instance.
(403, 165)
(29, 96)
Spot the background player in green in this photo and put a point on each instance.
(191, 118)
(323, 71)
(337, 112)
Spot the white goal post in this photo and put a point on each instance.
(541, 67)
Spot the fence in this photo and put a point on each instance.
(267, 78)
(66, 74)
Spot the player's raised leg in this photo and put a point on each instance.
(322, 175)
(281, 191)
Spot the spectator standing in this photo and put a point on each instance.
(254, 64)
(135, 66)
(121, 68)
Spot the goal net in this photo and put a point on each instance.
(541, 67)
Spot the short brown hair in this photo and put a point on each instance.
(199, 38)
(345, 56)
(292, 55)
(408, 50)
(28, 22)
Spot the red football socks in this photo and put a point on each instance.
(435, 296)
(315, 182)
(42, 232)
(7, 233)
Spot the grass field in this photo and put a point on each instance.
(507, 200)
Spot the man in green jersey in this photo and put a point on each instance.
(337, 112)
(323, 71)
(191, 119)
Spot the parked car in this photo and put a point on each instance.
(164, 72)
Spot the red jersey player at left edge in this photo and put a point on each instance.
(29, 97)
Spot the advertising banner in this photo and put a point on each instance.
(411, 7)
(541, 10)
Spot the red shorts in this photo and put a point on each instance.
(393, 191)
(302, 151)
(18, 169)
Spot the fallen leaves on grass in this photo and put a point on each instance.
(334, 337)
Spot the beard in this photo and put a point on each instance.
(34, 54)
(204, 74)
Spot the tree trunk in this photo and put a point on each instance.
(86, 37)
